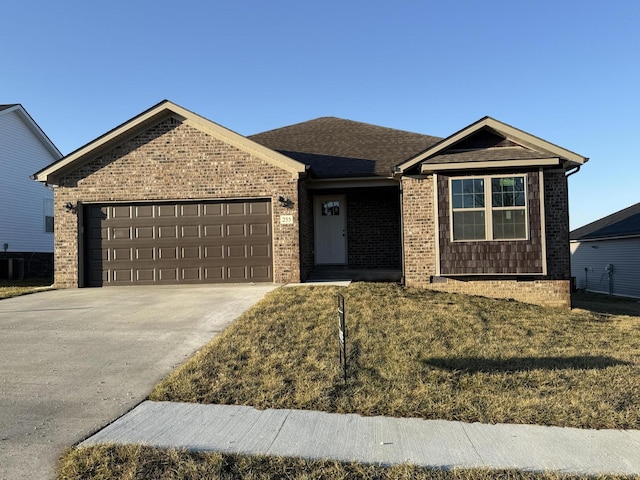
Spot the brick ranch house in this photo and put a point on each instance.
(171, 197)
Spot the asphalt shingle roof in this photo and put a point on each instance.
(623, 223)
(483, 155)
(335, 147)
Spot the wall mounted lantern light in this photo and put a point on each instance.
(70, 207)
(285, 202)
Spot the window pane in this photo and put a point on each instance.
(507, 192)
(467, 193)
(468, 226)
(509, 224)
(330, 208)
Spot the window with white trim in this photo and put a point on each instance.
(489, 208)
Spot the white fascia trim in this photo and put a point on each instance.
(436, 220)
(543, 219)
(507, 130)
(533, 162)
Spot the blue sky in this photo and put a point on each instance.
(566, 71)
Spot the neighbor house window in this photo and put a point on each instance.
(489, 208)
(48, 215)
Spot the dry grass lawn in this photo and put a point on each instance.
(416, 353)
(15, 288)
(142, 463)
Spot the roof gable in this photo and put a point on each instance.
(624, 223)
(489, 143)
(32, 125)
(153, 116)
(335, 147)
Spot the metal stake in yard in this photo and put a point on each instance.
(342, 336)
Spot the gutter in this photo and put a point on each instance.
(575, 170)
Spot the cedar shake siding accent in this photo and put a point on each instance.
(174, 161)
(491, 257)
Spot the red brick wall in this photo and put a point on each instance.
(418, 230)
(173, 161)
(373, 228)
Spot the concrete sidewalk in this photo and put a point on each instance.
(377, 440)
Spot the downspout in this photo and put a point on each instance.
(397, 175)
(575, 170)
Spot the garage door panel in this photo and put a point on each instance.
(238, 230)
(258, 208)
(260, 274)
(237, 273)
(165, 253)
(120, 233)
(236, 251)
(191, 273)
(145, 275)
(121, 212)
(168, 274)
(257, 229)
(237, 209)
(217, 241)
(170, 231)
(190, 210)
(191, 253)
(190, 231)
(144, 211)
(213, 230)
(260, 251)
(123, 275)
(167, 211)
(215, 252)
(213, 210)
(144, 233)
(122, 254)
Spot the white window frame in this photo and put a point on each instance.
(488, 208)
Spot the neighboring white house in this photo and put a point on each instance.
(26, 207)
(605, 254)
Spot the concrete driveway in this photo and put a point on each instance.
(71, 361)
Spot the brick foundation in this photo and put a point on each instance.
(547, 293)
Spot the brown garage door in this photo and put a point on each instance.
(166, 243)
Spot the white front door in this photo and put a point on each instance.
(330, 221)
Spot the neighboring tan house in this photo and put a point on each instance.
(171, 197)
(605, 254)
(26, 208)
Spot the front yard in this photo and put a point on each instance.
(412, 353)
(416, 353)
